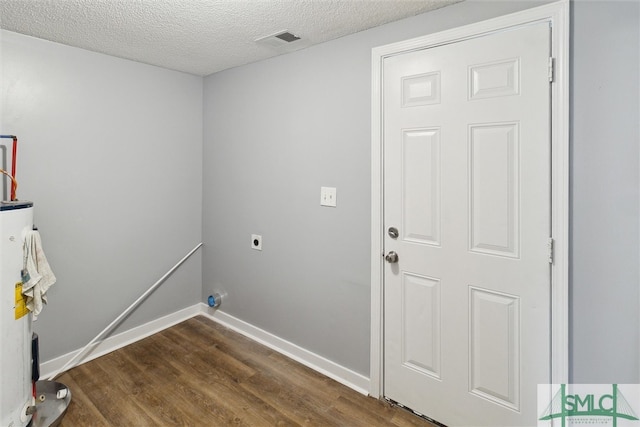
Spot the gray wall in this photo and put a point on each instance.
(274, 133)
(605, 140)
(110, 152)
(277, 130)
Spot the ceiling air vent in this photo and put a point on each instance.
(281, 38)
(288, 37)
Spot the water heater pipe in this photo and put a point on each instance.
(13, 163)
(118, 319)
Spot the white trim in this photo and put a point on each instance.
(326, 367)
(558, 14)
(560, 196)
(376, 362)
(343, 375)
(122, 339)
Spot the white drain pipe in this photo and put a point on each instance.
(122, 315)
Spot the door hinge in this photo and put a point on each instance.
(551, 70)
(550, 247)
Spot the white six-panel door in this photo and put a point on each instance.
(466, 136)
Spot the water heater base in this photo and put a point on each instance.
(52, 401)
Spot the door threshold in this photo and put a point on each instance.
(416, 413)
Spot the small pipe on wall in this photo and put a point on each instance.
(13, 163)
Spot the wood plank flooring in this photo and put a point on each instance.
(199, 373)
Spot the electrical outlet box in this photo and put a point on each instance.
(328, 196)
(256, 242)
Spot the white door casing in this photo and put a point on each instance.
(556, 16)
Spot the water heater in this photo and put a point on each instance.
(16, 219)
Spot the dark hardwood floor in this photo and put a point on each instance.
(199, 373)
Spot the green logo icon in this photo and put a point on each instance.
(612, 405)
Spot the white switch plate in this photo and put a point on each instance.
(256, 242)
(328, 196)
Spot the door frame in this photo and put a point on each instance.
(558, 15)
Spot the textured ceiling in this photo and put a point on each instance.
(199, 36)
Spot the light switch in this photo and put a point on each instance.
(328, 196)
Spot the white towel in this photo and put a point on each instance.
(37, 275)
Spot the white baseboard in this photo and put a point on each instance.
(326, 367)
(120, 340)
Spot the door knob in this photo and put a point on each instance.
(391, 257)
